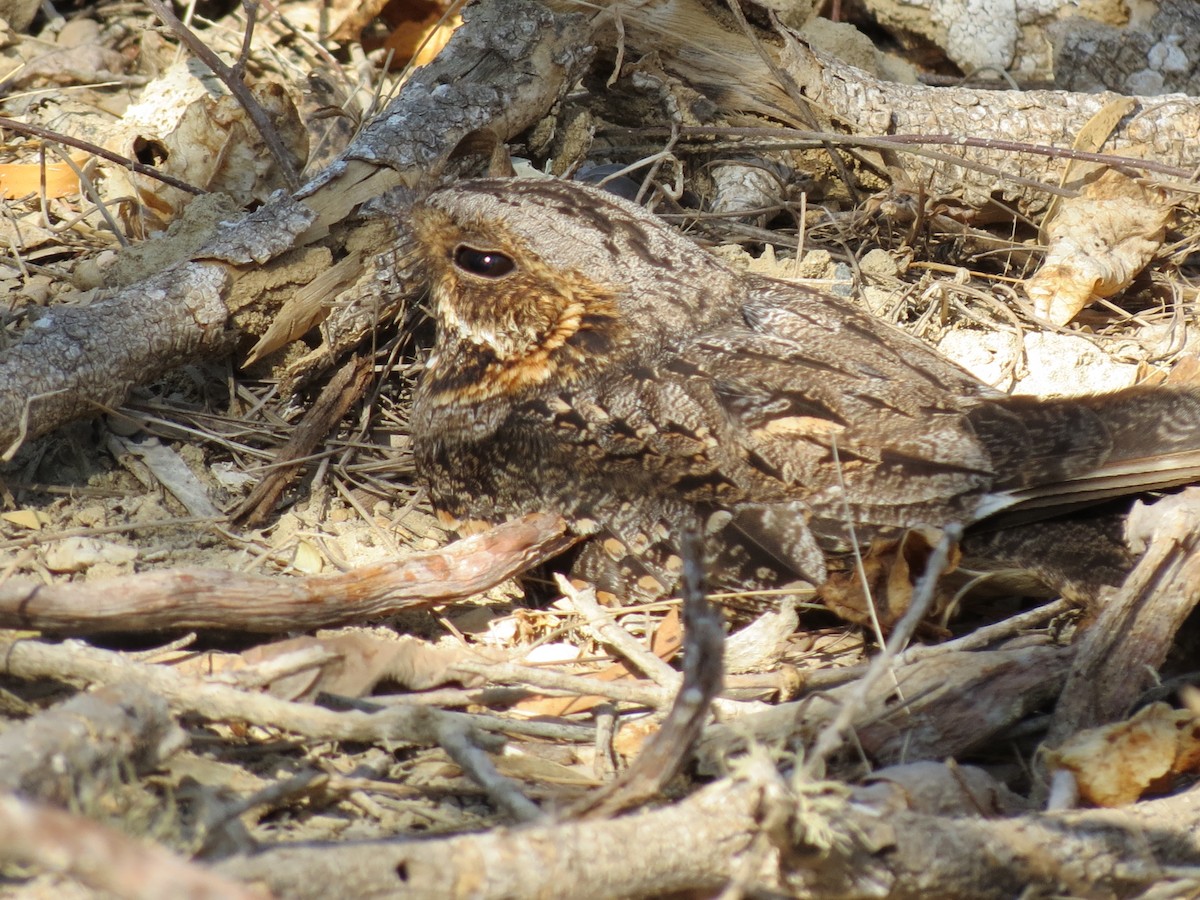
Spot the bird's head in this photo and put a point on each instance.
(540, 282)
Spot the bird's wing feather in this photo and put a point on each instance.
(821, 412)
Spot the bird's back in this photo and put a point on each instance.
(592, 362)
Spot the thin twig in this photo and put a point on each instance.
(665, 753)
(831, 736)
(640, 693)
(891, 141)
(75, 662)
(46, 134)
(456, 738)
(612, 634)
(237, 87)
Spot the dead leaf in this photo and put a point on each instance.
(356, 664)
(892, 569)
(1117, 764)
(189, 127)
(31, 519)
(307, 558)
(420, 29)
(1091, 139)
(667, 640)
(1098, 242)
(23, 178)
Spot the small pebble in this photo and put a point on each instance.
(80, 553)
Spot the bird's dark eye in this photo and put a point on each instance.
(484, 263)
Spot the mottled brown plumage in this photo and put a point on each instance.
(593, 362)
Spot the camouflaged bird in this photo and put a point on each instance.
(593, 362)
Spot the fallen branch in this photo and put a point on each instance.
(965, 124)
(939, 706)
(105, 860)
(181, 599)
(76, 663)
(819, 842)
(73, 362)
(1138, 622)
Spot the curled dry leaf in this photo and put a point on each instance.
(1098, 243)
(892, 570)
(420, 29)
(1117, 764)
(939, 788)
(193, 129)
(762, 643)
(355, 663)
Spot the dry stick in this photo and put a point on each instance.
(857, 102)
(953, 702)
(42, 538)
(641, 693)
(89, 188)
(456, 738)
(1138, 622)
(237, 87)
(273, 796)
(502, 70)
(46, 134)
(105, 860)
(213, 598)
(75, 662)
(798, 139)
(695, 846)
(335, 400)
(608, 632)
(989, 634)
(978, 639)
(458, 734)
(703, 668)
(553, 730)
(831, 737)
(685, 846)
(250, 7)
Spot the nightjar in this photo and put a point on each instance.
(593, 362)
